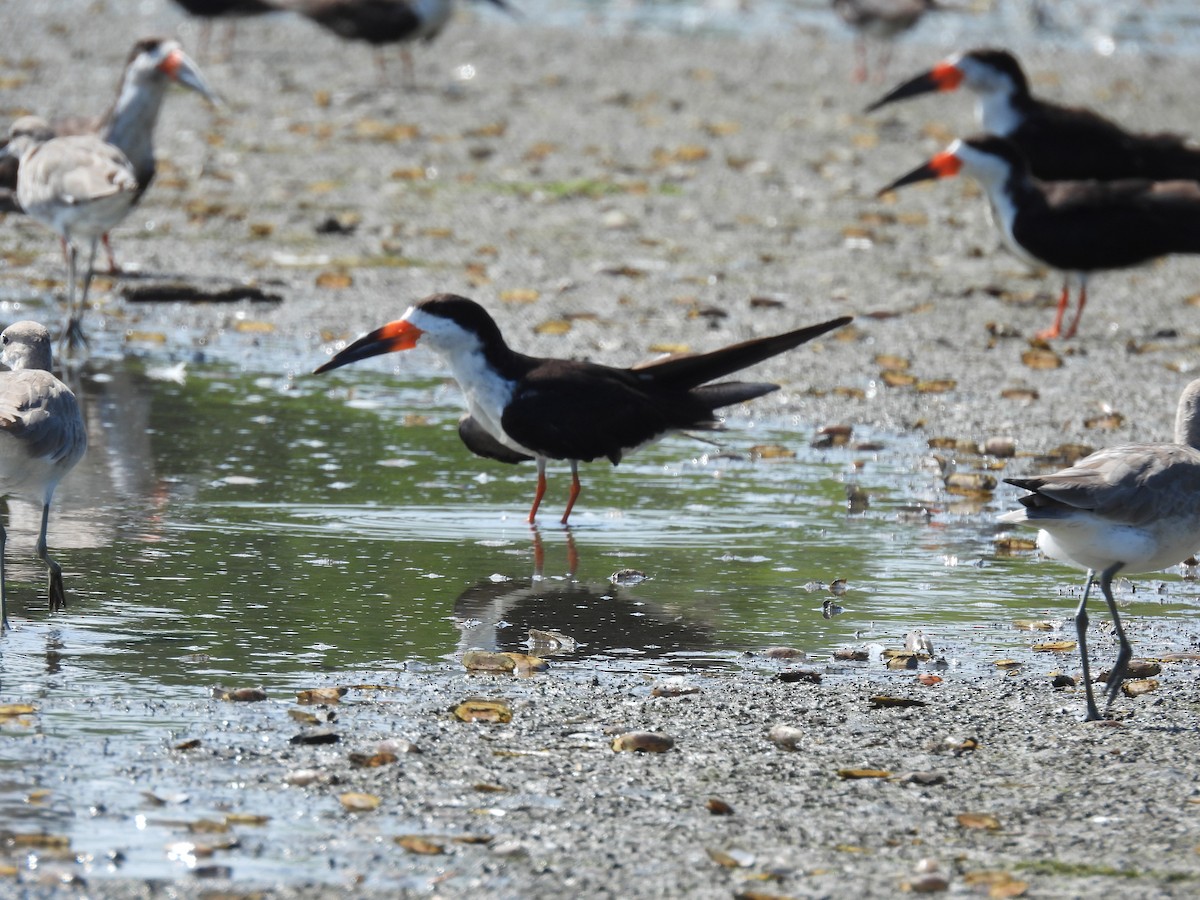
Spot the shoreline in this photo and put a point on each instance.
(609, 196)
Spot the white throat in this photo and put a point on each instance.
(996, 113)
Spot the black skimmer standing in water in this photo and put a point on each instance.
(1062, 143)
(42, 437)
(381, 22)
(1128, 509)
(526, 407)
(882, 19)
(154, 64)
(80, 188)
(1075, 227)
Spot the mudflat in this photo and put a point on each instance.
(615, 196)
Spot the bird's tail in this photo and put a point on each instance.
(727, 393)
(685, 372)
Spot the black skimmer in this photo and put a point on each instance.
(526, 407)
(1062, 143)
(42, 437)
(154, 64)
(381, 22)
(1129, 509)
(1075, 227)
(882, 19)
(77, 186)
(208, 10)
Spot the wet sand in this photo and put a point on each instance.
(644, 192)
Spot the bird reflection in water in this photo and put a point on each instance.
(603, 618)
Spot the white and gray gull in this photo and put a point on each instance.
(79, 187)
(42, 437)
(1132, 508)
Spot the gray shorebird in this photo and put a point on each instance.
(527, 407)
(1075, 227)
(1062, 143)
(1128, 509)
(42, 437)
(883, 20)
(80, 188)
(153, 65)
(230, 10)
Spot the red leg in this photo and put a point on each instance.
(575, 488)
(1056, 329)
(572, 555)
(541, 489)
(113, 268)
(1078, 311)
(539, 554)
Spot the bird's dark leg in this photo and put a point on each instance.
(1117, 674)
(114, 268)
(541, 488)
(4, 626)
(58, 597)
(860, 56)
(73, 337)
(1081, 624)
(1078, 311)
(410, 69)
(1056, 329)
(575, 489)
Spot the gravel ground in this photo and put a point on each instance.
(638, 191)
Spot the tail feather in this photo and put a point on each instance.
(727, 393)
(684, 372)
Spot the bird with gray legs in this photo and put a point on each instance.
(80, 188)
(153, 65)
(1128, 509)
(881, 19)
(42, 437)
(230, 10)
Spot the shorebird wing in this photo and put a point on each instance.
(1135, 484)
(42, 414)
(480, 442)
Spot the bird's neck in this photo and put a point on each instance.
(129, 124)
(1187, 418)
(1000, 111)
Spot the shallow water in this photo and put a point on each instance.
(242, 528)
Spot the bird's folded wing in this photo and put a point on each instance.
(41, 414)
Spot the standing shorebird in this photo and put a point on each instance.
(381, 22)
(80, 188)
(1062, 143)
(527, 407)
(208, 10)
(882, 19)
(1074, 227)
(42, 437)
(154, 64)
(1133, 508)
